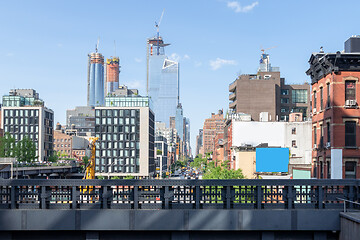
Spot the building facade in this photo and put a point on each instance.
(24, 115)
(266, 94)
(335, 123)
(112, 75)
(81, 121)
(95, 82)
(126, 141)
(161, 155)
(162, 80)
(212, 126)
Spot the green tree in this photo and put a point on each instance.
(25, 150)
(199, 162)
(129, 177)
(158, 152)
(7, 145)
(221, 172)
(53, 158)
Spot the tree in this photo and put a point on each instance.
(199, 162)
(7, 146)
(25, 150)
(221, 172)
(53, 158)
(129, 177)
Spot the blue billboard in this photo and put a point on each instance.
(272, 159)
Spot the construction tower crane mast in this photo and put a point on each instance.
(157, 25)
(90, 168)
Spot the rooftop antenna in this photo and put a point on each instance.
(157, 25)
(97, 45)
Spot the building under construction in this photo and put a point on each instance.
(112, 75)
(95, 79)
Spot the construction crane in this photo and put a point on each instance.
(263, 50)
(90, 168)
(157, 25)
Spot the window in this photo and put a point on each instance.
(299, 96)
(328, 132)
(328, 95)
(284, 100)
(321, 98)
(293, 143)
(350, 90)
(350, 134)
(328, 169)
(284, 92)
(314, 102)
(315, 140)
(293, 130)
(350, 169)
(284, 109)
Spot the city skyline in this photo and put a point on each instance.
(212, 40)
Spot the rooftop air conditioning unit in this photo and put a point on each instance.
(328, 144)
(314, 110)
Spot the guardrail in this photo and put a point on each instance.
(177, 194)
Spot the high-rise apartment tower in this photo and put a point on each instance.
(95, 79)
(112, 75)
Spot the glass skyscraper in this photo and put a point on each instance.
(162, 81)
(95, 80)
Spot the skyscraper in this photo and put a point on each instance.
(95, 79)
(112, 75)
(162, 80)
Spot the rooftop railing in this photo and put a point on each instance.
(178, 194)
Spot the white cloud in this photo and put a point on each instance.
(237, 7)
(60, 45)
(138, 60)
(176, 57)
(10, 54)
(218, 63)
(198, 64)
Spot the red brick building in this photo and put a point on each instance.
(335, 91)
(212, 126)
(218, 154)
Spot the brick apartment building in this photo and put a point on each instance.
(212, 126)
(335, 91)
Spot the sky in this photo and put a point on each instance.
(44, 44)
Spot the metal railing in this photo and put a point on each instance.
(177, 194)
(345, 201)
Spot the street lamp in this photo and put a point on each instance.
(116, 161)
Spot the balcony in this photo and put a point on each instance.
(232, 105)
(232, 97)
(232, 86)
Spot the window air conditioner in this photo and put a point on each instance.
(314, 110)
(327, 144)
(314, 146)
(352, 102)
